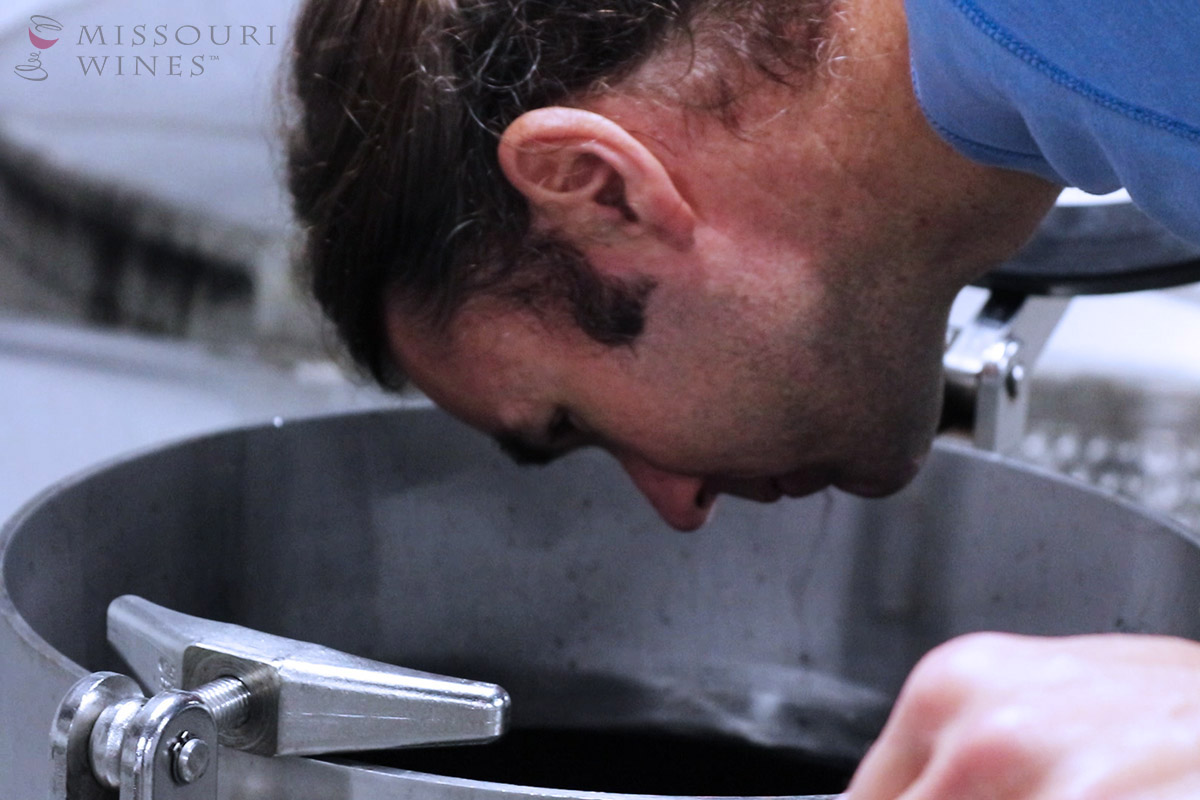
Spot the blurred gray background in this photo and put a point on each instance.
(145, 289)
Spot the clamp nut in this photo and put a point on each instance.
(190, 757)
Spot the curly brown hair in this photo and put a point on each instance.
(400, 105)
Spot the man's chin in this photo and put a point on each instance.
(802, 484)
(881, 484)
(810, 480)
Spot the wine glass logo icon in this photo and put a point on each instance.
(43, 25)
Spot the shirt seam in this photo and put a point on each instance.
(1060, 76)
(975, 144)
(960, 140)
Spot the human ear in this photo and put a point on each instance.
(586, 176)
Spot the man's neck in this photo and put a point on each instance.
(877, 131)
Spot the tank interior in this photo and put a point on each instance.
(773, 641)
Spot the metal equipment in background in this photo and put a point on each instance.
(140, 178)
(1105, 246)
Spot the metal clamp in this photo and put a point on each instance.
(221, 683)
(987, 363)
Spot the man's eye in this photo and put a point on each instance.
(562, 426)
(562, 435)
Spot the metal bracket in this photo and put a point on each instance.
(225, 684)
(987, 364)
(108, 736)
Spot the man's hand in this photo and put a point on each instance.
(1002, 717)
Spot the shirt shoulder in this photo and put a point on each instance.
(1091, 93)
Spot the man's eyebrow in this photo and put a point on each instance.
(524, 452)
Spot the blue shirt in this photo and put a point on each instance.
(1097, 94)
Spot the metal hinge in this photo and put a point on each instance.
(987, 364)
(215, 683)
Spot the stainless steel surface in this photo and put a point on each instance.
(987, 361)
(404, 538)
(305, 699)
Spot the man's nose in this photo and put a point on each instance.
(681, 500)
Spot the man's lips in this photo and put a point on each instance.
(802, 484)
(884, 485)
(768, 490)
(805, 482)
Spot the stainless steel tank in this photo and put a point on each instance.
(757, 657)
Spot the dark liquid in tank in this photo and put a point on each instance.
(628, 762)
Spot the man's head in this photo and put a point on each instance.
(713, 237)
(393, 161)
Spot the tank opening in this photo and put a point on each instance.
(628, 762)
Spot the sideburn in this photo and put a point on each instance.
(554, 277)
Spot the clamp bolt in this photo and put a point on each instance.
(189, 758)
